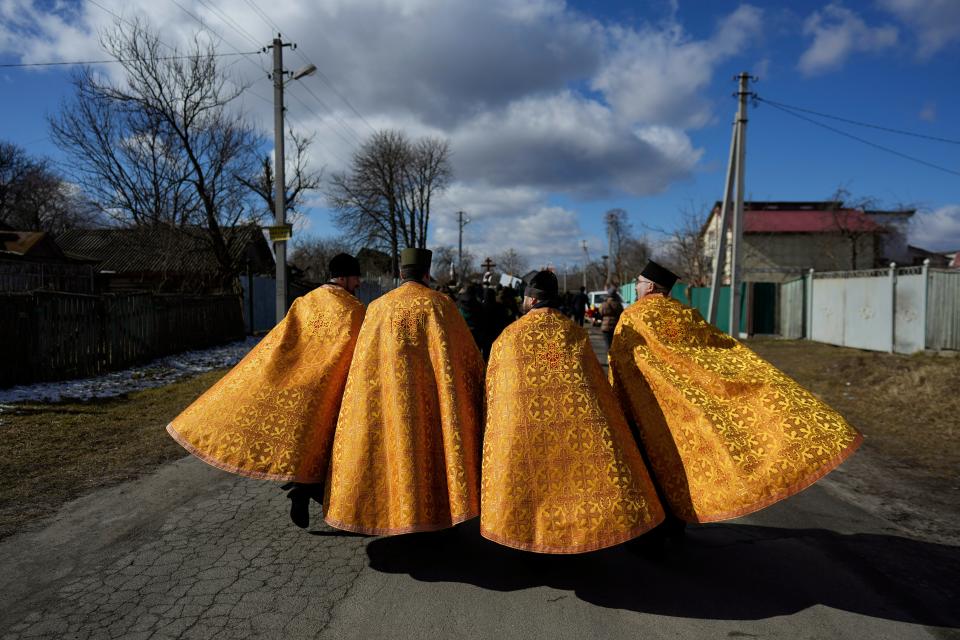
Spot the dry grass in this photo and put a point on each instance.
(53, 453)
(908, 407)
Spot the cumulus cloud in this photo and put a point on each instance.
(656, 75)
(934, 23)
(937, 230)
(537, 99)
(837, 33)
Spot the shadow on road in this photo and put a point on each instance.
(723, 571)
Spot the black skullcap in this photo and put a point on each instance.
(659, 275)
(419, 258)
(344, 265)
(543, 286)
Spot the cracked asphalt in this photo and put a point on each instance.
(193, 552)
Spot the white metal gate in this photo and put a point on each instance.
(853, 309)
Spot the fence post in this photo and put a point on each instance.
(924, 293)
(893, 306)
(808, 305)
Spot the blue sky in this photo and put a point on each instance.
(558, 111)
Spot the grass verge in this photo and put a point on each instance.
(53, 453)
(908, 407)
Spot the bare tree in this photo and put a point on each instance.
(426, 173)
(384, 198)
(618, 230)
(301, 179)
(850, 222)
(684, 247)
(444, 263)
(313, 254)
(34, 197)
(511, 262)
(164, 146)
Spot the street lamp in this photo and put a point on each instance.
(308, 70)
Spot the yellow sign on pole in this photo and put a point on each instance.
(280, 232)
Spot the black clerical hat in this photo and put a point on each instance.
(344, 265)
(416, 258)
(543, 286)
(659, 275)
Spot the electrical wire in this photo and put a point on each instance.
(864, 141)
(174, 49)
(323, 77)
(73, 62)
(856, 122)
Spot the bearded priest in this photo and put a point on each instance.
(273, 415)
(725, 432)
(406, 454)
(561, 471)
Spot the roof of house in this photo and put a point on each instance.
(29, 245)
(808, 221)
(167, 251)
(802, 217)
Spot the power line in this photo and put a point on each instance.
(174, 49)
(231, 23)
(323, 77)
(864, 141)
(73, 62)
(857, 122)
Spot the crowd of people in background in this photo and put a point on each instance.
(488, 310)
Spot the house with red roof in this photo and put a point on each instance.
(782, 240)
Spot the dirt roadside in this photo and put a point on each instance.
(908, 408)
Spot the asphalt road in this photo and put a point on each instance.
(192, 552)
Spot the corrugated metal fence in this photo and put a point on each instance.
(58, 336)
(943, 309)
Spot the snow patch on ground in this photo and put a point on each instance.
(157, 373)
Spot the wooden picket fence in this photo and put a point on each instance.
(58, 336)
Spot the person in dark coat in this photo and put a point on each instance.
(471, 308)
(610, 314)
(580, 302)
(494, 320)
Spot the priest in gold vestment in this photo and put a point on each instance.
(406, 455)
(725, 432)
(273, 415)
(561, 470)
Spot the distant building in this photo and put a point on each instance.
(31, 260)
(171, 260)
(782, 240)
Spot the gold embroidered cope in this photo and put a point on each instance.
(725, 432)
(406, 454)
(273, 415)
(561, 470)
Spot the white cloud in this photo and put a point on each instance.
(837, 33)
(656, 75)
(502, 80)
(937, 230)
(512, 217)
(935, 23)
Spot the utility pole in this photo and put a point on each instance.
(461, 222)
(279, 179)
(736, 255)
(281, 232)
(735, 180)
(586, 261)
